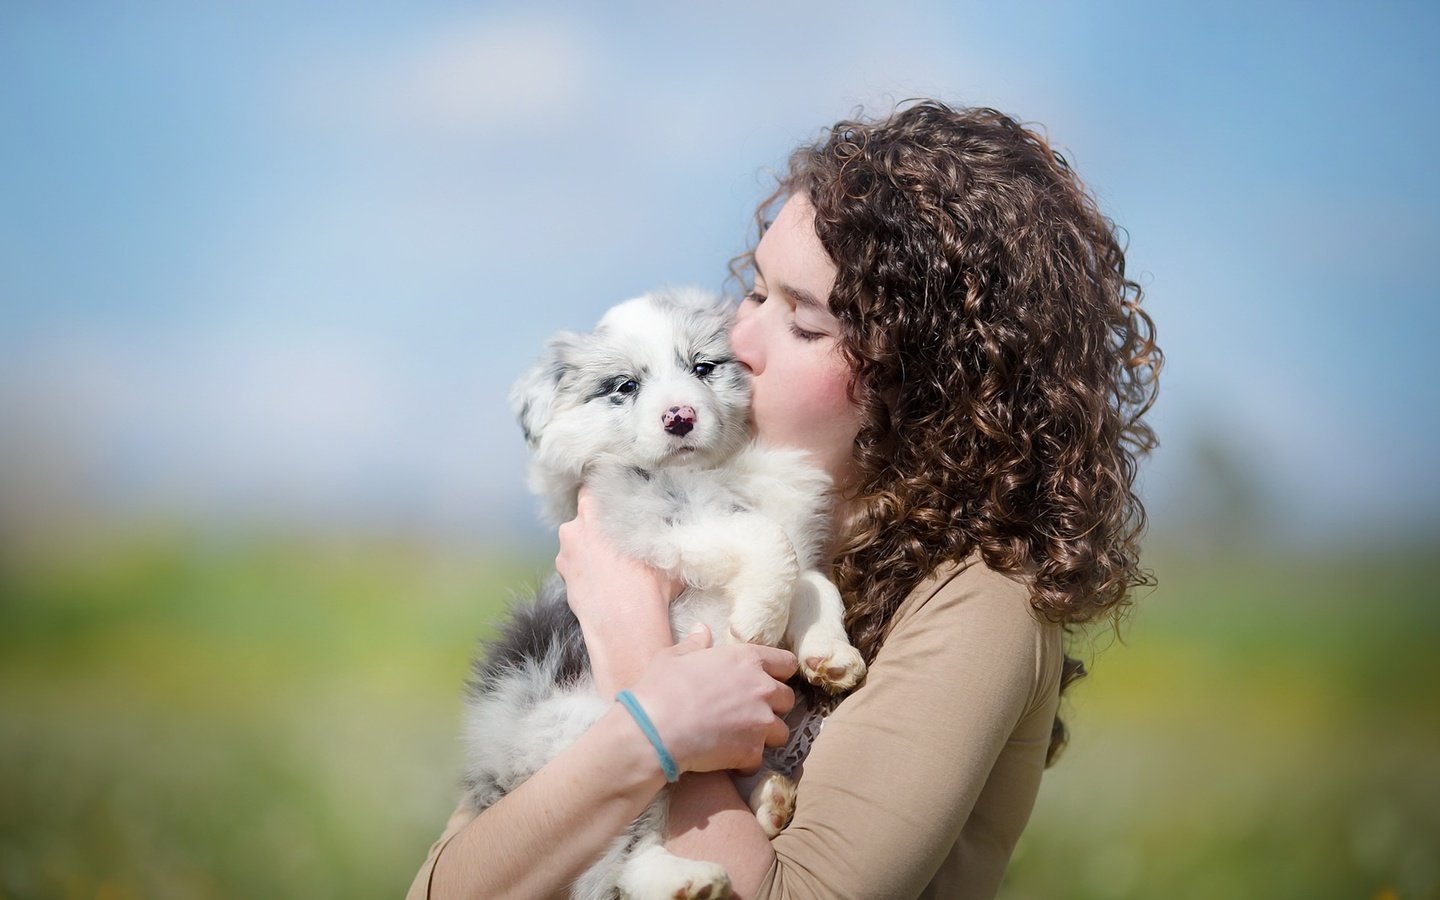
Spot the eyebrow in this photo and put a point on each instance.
(802, 297)
(798, 295)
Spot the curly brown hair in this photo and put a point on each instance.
(1002, 363)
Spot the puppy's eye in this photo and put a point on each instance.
(628, 387)
(702, 369)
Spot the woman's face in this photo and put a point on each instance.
(788, 339)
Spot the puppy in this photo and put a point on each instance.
(650, 410)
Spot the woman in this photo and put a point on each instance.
(940, 316)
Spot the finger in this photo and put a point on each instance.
(747, 771)
(778, 664)
(778, 735)
(782, 698)
(697, 639)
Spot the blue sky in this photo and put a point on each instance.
(276, 262)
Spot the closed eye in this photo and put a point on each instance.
(795, 330)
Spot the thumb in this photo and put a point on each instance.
(697, 639)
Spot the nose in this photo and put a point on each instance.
(744, 342)
(679, 420)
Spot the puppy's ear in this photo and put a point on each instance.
(532, 398)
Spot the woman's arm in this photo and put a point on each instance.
(541, 836)
(623, 605)
(624, 610)
(713, 709)
(897, 774)
(900, 766)
(710, 820)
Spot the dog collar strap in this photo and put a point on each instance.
(637, 712)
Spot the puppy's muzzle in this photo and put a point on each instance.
(679, 420)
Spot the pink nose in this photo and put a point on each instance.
(679, 420)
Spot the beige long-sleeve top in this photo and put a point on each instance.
(921, 781)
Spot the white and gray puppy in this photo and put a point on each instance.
(650, 411)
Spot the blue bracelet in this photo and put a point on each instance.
(667, 762)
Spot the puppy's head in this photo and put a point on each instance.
(653, 385)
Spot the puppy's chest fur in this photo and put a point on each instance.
(687, 497)
(777, 484)
(712, 526)
(684, 500)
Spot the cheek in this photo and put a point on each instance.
(808, 398)
(823, 420)
(827, 383)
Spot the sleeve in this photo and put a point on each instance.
(898, 766)
(420, 887)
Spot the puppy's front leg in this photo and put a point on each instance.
(817, 634)
(747, 556)
(764, 581)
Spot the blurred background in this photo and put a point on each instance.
(267, 272)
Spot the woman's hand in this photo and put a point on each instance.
(602, 583)
(623, 604)
(717, 707)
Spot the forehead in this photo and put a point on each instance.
(790, 253)
(643, 332)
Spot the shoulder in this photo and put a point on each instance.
(970, 621)
(901, 763)
(972, 592)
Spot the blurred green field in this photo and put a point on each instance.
(245, 717)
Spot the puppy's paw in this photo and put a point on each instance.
(773, 802)
(835, 666)
(665, 876)
(712, 884)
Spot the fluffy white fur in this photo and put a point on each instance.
(650, 410)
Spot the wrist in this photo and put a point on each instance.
(633, 706)
(619, 652)
(631, 758)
